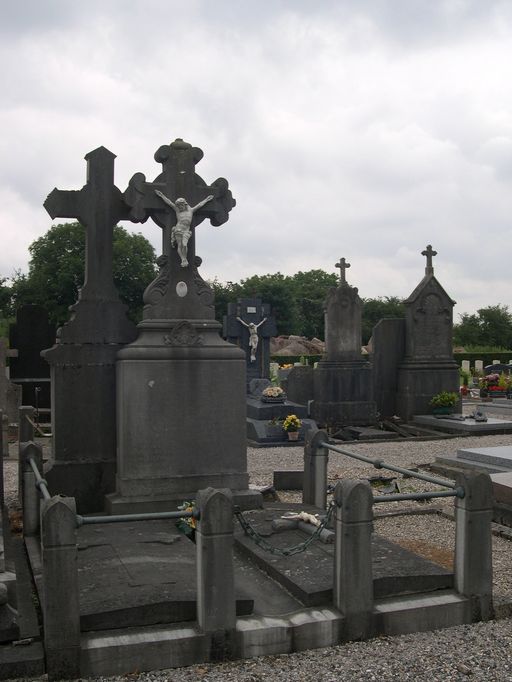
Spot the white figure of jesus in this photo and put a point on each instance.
(253, 335)
(181, 232)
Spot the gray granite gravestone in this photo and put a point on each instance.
(428, 366)
(83, 359)
(30, 334)
(387, 353)
(180, 386)
(343, 384)
(250, 325)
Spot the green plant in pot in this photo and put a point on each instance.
(444, 402)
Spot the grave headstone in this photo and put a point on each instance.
(249, 324)
(479, 366)
(428, 366)
(181, 388)
(466, 366)
(29, 336)
(83, 359)
(343, 381)
(387, 354)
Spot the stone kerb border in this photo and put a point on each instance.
(218, 634)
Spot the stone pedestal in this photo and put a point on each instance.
(342, 381)
(181, 416)
(419, 381)
(343, 394)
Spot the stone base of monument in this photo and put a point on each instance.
(261, 432)
(466, 426)
(87, 482)
(343, 394)
(143, 575)
(142, 504)
(180, 417)
(499, 409)
(496, 461)
(419, 381)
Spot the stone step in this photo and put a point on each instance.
(419, 613)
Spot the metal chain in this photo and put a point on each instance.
(282, 551)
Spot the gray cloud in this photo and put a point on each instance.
(359, 129)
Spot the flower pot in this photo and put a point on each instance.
(442, 409)
(293, 435)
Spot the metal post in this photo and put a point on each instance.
(61, 611)
(25, 434)
(31, 494)
(216, 606)
(353, 578)
(473, 545)
(316, 461)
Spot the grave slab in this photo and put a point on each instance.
(489, 460)
(466, 426)
(500, 456)
(502, 487)
(308, 576)
(144, 574)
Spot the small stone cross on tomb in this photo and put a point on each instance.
(429, 253)
(342, 265)
(178, 181)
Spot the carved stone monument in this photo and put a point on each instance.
(342, 381)
(428, 366)
(180, 387)
(250, 325)
(83, 359)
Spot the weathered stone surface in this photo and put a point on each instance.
(342, 381)
(180, 387)
(30, 334)
(467, 426)
(10, 393)
(83, 359)
(428, 366)
(388, 349)
(309, 576)
(299, 386)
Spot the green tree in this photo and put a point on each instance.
(276, 290)
(375, 309)
(309, 289)
(57, 263)
(490, 326)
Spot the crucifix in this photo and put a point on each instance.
(190, 198)
(342, 265)
(97, 206)
(429, 253)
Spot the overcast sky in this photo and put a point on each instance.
(365, 129)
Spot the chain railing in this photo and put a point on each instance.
(282, 551)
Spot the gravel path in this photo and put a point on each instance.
(477, 652)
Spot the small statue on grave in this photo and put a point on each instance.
(181, 232)
(253, 335)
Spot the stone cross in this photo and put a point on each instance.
(429, 253)
(342, 265)
(178, 179)
(98, 206)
